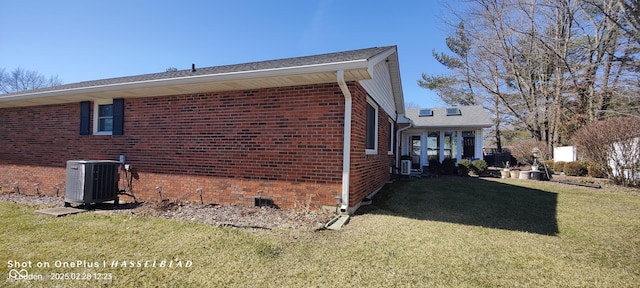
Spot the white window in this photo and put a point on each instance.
(103, 117)
(372, 127)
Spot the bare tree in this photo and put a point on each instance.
(550, 66)
(614, 146)
(624, 13)
(411, 105)
(20, 80)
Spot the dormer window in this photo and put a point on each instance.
(453, 112)
(425, 113)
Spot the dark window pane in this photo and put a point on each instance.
(105, 118)
(390, 142)
(105, 124)
(105, 110)
(371, 127)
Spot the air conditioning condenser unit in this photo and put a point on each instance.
(405, 167)
(91, 181)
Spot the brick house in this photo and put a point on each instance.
(301, 131)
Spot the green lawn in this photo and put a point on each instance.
(442, 232)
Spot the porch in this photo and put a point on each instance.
(430, 145)
(436, 134)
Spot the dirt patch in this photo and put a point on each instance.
(218, 215)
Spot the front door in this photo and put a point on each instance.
(468, 145)
(414, 152)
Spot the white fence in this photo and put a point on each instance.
(565, 154)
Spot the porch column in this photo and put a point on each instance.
(458, 146)
(404, 147)
(441, 148)
(479, 144)
(423, 149)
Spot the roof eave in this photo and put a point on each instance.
(195, 79)
(453, 126)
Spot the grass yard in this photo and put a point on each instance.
(442, 232)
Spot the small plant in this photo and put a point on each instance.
(575, 168)
(479, 166)
(559, 166)
(464, 166)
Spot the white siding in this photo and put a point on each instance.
(380, 89)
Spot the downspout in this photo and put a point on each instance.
(346, 146)
(398, 140)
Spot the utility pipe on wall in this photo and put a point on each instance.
(346, 146)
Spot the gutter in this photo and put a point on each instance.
(346, 146)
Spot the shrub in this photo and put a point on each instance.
(522, 150)
(559, 166)
(448, 166)
(464, 166)
(612, 143)
(549, 165)
(595, 170)
(479, 166)
(434, 166)
(575, 168)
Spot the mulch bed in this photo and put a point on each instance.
(263, 218)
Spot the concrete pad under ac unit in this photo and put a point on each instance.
(60, 211)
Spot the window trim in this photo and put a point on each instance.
(96, 105)
(375, 125)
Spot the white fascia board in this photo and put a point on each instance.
(397, 83)
(239, 75)
(378, 58)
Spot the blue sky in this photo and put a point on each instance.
(90, 40)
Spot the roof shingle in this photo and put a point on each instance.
(345, 56)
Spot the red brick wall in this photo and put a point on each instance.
(23, 179)
(368, 172)
(286, 142)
